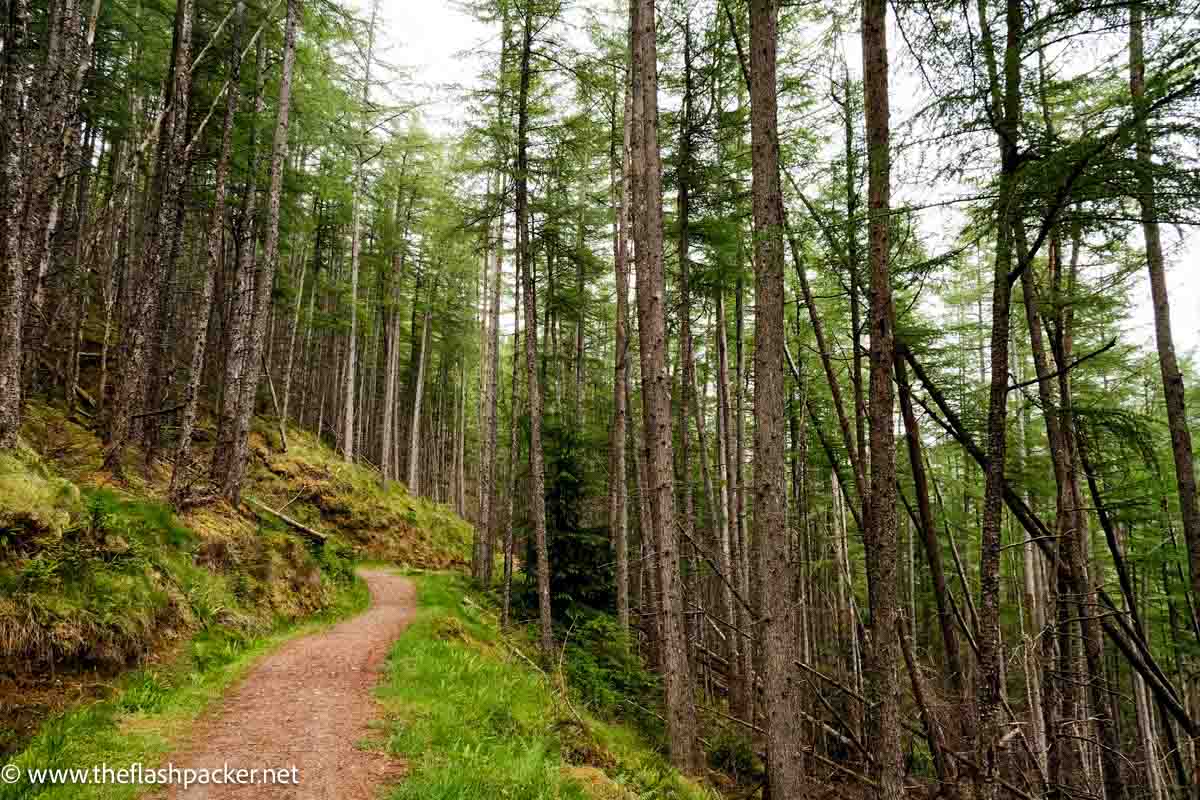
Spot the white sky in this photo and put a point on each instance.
(443, 49)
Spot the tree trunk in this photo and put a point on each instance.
(1004, 99)
(1172, 378)
(12, 270)
(215, 242)
(162, 209)
(537, 472)
(781, 696)
(656, 389)
(879, 534)
(686, 367)
(933, 548)
(513, 443)
(224, 469)
(266, 274)
(412, 476)
(618, 503)
(739, 683)
(491, 491)
(347, 438)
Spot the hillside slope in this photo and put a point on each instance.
(99, 577)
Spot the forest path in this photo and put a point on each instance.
(307, 705)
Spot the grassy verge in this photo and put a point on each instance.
(474, 719)
(153, 709)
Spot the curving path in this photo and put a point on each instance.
(307, 705)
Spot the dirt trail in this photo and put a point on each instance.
(308, 705)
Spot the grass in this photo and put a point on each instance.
(473, 719)
(153, 708)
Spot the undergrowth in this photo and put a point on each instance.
(475, 719)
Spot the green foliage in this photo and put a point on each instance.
(581, 559)
(733, 754)
(145, 693)
(372, 518)
(607, 674)
(33, 503)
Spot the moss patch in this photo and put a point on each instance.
(379, 519)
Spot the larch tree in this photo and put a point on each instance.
(656, 385)
(880, 532)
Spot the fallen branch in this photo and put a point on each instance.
(160, 412)
(307, 531)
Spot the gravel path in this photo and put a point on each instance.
(307, 705)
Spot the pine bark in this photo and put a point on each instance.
(1004, 99)
(489, 489)
(12, 198)
(880, 529)
(158, 235)
(656, 391)
(781, 695)
(215, 242)
(1172, 377)
(349, 398)
(412, 476)
(240, 303)
(618, 501)
(266, 273)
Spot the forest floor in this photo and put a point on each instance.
(309, 706)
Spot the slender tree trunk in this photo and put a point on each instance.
(781, 696)
(215, 242)
(460, 489)
(686, 367)
(295, 326)
(412, 476)
(933, 548)
(656, 389)
(238, 327)
(880, 531)
(1172, 378)
(1005, 101)
(513, 443)
(159, 235)
(12, 198)
(266, 274)
(537, 471)
(347, 443)
(739, 688)
(618, 504)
